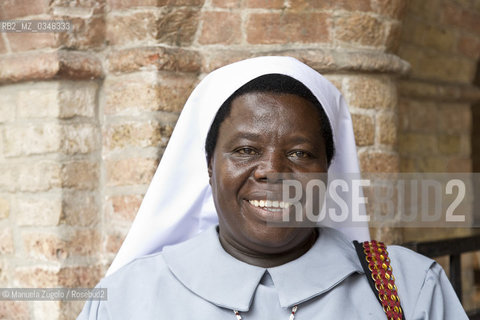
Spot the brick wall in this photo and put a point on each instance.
(85, 116)
(441, 40)
(475, 141)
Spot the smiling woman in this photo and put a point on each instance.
(267, 131)
(259, 119)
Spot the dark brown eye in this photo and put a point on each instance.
(299, 154)
(247, 151)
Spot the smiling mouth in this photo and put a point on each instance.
(270, 205)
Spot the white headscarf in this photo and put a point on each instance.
(179, 203)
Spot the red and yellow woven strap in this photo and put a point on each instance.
(376, 263)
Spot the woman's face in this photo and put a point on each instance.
(265, 133)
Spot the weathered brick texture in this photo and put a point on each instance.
(31, 41)
(80, 208)
(18, 310)
(136, 27)
(123, 208)
(361, 29)
(364, 129)
(58, 247)
(387, 128)
(134, 171)
(378, 162)
(434, 125)
(360, 5)
(87, 33)
(147, 91)
(124, 4)
(85, 116)
(47, 65)
(278, 28)
(6, 241)
(11, 9)
(30, 177)
(156, 58)
(39, 210)
(221, 28)
(389, 8)
(177, 26)
(4, 208)
(370, 92)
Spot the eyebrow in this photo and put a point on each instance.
(245, 135)
(256, 136)
(300, 140)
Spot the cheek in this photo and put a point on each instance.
(229, 174)
(228, 180)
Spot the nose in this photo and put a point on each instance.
(270, 166)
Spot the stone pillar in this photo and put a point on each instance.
(151, 70)
(50, 144)
(49, 181)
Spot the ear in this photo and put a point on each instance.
(210, 171)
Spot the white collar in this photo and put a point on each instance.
(205, 268)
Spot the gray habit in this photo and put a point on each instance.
(197, 279)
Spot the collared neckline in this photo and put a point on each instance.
(204, 267)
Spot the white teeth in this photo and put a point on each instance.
(269, 204)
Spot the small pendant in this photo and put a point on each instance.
(292, 315)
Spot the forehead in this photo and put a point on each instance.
(277, 109)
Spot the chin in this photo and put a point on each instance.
(273, 237)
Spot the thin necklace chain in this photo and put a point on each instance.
(292, 315)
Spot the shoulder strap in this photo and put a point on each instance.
(374, 258)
